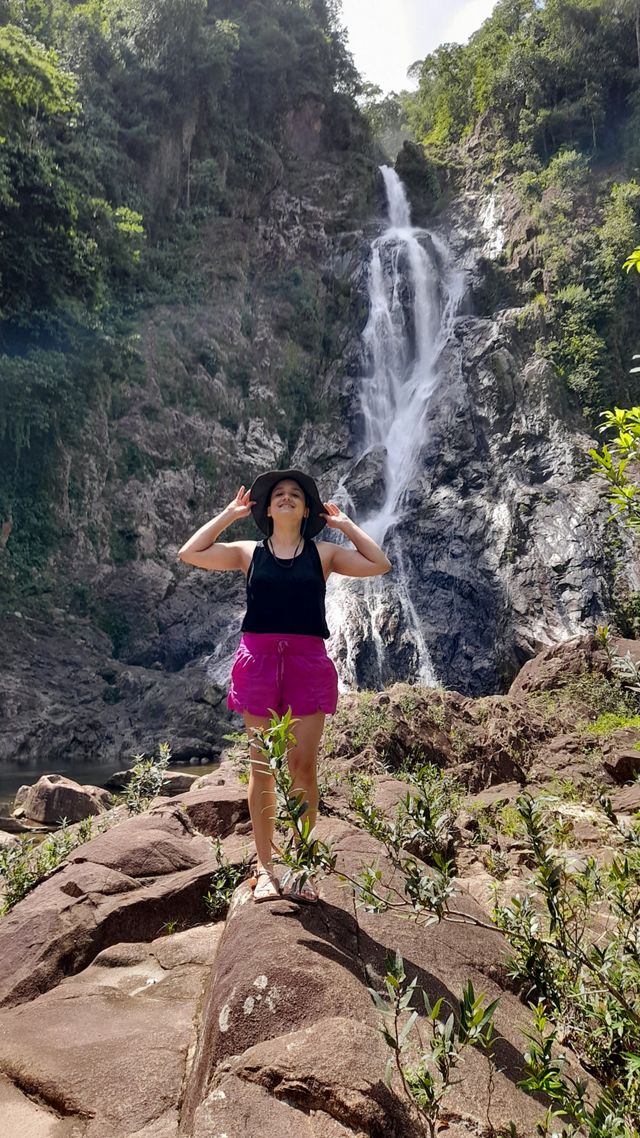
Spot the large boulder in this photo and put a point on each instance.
(622, 755)
(66, 1057)
(54, 797)
(297, 1025)
(125, 884)
(173, 782)
(558, 665)
(332, 1072)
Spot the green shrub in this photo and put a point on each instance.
(22, 867)
(590, 985)
(145, 781)
(223, 882)
(609, 722)
(360, 722)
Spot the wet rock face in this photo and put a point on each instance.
(69, 702)
(502, 544)
(509, 553)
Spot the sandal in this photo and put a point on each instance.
(302, 890)
(267, 886)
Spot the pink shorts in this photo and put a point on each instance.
(272, 672)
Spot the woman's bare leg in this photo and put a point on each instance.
(303, 760)
(261, 796)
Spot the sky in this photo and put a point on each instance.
(387, 36)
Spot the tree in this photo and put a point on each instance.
(623, 449)
(613, 459)
(386, 117)
(33, 86)
(631, 8)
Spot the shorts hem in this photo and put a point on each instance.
(240, 710)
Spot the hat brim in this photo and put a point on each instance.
(260, 492)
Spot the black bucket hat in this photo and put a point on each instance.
(260, 493)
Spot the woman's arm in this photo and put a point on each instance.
(205, 552)
(366, 560)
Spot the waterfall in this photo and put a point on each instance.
(415, 293)
(494, 232)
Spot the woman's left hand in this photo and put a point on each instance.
(334, 516)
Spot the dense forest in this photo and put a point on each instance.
(544, 101)
(124, 128)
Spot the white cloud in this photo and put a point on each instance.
(387, 36)
(380, 37)
(467, 19)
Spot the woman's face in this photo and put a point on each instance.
(287, 501)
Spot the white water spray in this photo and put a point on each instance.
(415, 294)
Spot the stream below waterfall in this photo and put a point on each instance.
(416, 293)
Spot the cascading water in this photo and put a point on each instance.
(415, 294)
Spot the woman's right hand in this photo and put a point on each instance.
(240, 507)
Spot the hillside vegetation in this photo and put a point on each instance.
(126, 131)
(543, 104)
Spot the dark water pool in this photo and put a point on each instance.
(13, 777)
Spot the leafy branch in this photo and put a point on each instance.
(427, 1081)
(589, 979)
(609, 1117)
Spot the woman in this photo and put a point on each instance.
(281, 661)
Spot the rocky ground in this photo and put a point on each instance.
(127, 1011)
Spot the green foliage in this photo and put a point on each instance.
(145, 781)
(386, 115)
(542, 96)
(363, 723)
(238, 755)
(224, 881)
(613, 1113)
(591, 985)
(24, 865)
(627, 672)
(590, 694)
(32, 83)
(423, 822)
(124, 127)
(589, 313)
(612, 459)
(607, 723)
(427, 1080)
(627, 614)
(632, 261)
(302, 853)
(547, 74)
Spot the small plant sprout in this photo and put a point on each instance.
(223, 882)
(427, 1080)
(23, 866)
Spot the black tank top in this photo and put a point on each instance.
(286, 600)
